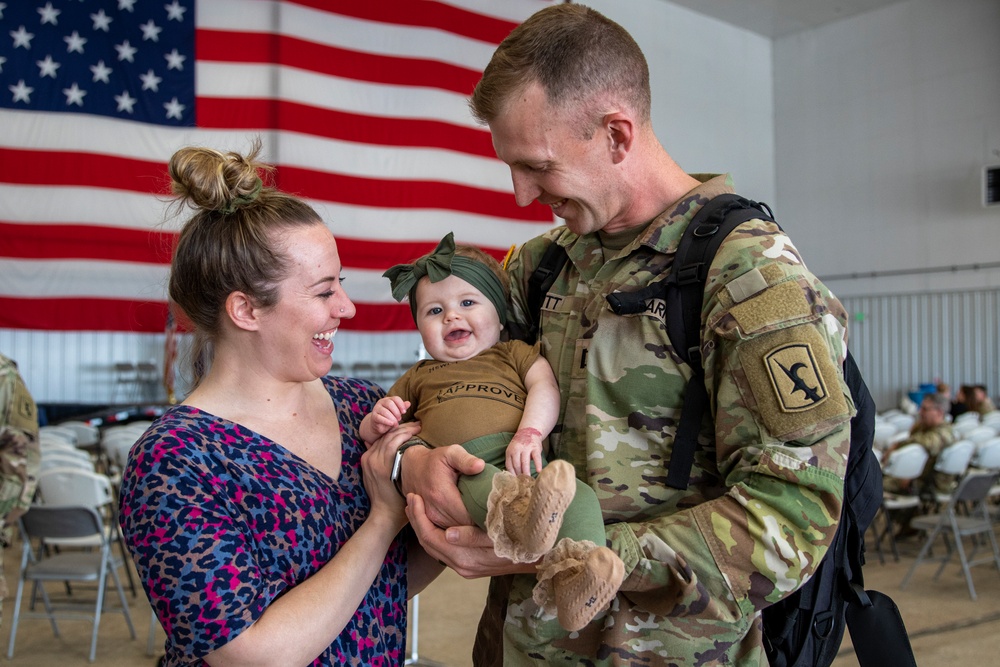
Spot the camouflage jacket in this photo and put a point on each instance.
(19, 448)
(767, 483)
(933, 439)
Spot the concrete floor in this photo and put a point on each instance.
(946, 627)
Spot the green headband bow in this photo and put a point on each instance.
(439, 265)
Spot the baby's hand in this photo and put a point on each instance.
(524, 448)
(387, 413)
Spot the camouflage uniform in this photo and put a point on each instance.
(19, 454)
(767, 481)
(933, 439)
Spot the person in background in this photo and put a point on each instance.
(458, 296)
(256, 537)
(956, 403)
(981, 401)
(20, 455)
(567, 99)
(932, 432)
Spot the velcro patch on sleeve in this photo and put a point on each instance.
(793, 380)
(781, 303)
(750, 283)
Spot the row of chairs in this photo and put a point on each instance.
(71, 534)
(974, 458)
(966, 515)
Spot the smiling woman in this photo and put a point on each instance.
(246, 504)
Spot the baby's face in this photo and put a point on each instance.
(456, 321)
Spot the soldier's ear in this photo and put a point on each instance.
(620, 132)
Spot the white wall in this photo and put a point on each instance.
(713, 101)
(883, 124)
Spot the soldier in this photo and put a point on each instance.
(933, 433)
(567, 100)
(19, 455)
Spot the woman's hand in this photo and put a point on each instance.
(377, 466)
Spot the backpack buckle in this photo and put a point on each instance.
(690, 274)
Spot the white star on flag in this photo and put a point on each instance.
(22, 38)
(74, 42)
(22, 93)
(74, 95)
(49, 14)
(101, 72)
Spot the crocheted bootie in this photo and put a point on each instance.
(524, 514)
(576, 580)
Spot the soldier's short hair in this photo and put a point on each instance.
(578, 55)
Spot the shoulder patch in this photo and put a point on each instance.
(794, 382)
(797, 382)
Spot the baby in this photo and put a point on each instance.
(499, 400)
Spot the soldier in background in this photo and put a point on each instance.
(567, 100)
(19, 455)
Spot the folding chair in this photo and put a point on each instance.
(987, 457)
(41, 523)
(71, 486)
(980, 434)
(953, 460)
(906, 463)
(973, 492)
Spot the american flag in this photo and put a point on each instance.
(360, 105)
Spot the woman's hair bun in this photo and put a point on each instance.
(209, 179)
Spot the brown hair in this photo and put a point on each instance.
(232, 243)
(579, 57)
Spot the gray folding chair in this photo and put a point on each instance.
(953, 527)
(59, 522)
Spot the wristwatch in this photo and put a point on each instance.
(397, 464)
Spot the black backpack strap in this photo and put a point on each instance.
(695, 252)
(549, 267)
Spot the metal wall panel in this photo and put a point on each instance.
(899, 341)
(902, 341)
(77, 367)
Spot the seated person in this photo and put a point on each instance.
(981, 402)
(958, 405)
(933, 433)
(500, 400)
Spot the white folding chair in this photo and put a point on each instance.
(73, 486)
(987, 456)
(980, 433)
(906, 464)
(967, 418)
(953, 526)
(59, 459)
(65, 522)
(884, 430)
(67, 434)
(992, 419)
(87, 435)
(953, 460)
(902, 422)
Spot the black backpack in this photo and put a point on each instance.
(806, 628)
